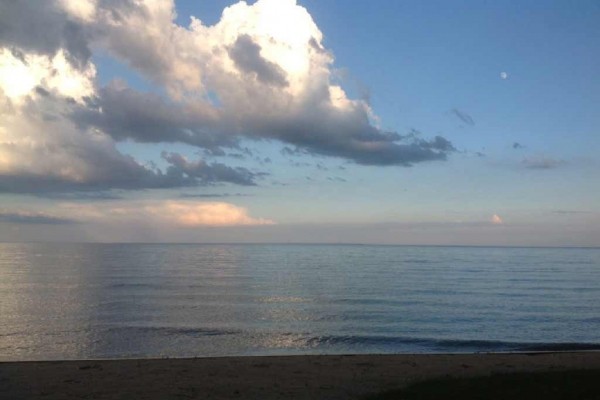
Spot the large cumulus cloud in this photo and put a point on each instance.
(44, 150)
(261, 72)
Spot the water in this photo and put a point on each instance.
(73, 301)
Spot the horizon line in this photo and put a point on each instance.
(305, 244)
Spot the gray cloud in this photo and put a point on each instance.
(211, 195)
(208, 173)
(570, 212)
(37, 218)
(246, 56)
(327, 131)
(517, 146)
(542, 162)
(463, 116)
(63, 159)
(125, 113)
(122, 175)
(293, 152)
(143, 35)
(78, 196)
(216, 152)
(300, 164)
(122, 172)
(42, 27)
(279, 183)
(59, 157)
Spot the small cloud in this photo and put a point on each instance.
(463, 116)
(496, 220)
(542, 162)
(570, 212)
(213, 152)
(503, 75)
(210, 195)
(299, 164)
(294, 151)
(517, 146)
(208, 173)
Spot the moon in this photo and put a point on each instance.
(504, 75)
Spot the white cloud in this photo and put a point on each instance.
(38, 144)
(193, 214)
(496, 220)
(42, 149)
(21, 73)
(181, 213)
(197, 58)
(84, 10)
(260, 72)
(35, 139)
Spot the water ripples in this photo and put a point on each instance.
(95, 301)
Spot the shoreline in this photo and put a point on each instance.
(266, 377)
(594, 349)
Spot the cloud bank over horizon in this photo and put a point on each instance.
(142, 213)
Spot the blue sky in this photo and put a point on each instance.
(512, 85)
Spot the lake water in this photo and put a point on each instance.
(73, 301)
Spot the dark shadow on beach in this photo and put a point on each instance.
(555, 385)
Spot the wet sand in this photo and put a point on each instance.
(287, 377)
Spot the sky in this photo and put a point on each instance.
(308, 121)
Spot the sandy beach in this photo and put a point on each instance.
(288, 377)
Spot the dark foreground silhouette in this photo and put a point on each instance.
(308, 377)
(563, 385)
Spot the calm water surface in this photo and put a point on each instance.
(72, 301)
